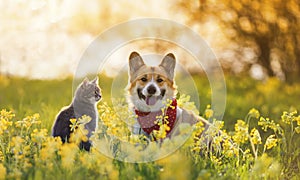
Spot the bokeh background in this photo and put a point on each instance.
(45, 39)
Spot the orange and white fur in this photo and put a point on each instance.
(151, 86)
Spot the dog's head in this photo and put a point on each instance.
(151, 86)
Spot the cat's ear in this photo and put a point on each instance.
(95, 81)
(85, 82)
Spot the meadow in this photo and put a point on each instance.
(261, 119)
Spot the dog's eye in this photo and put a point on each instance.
(159, 80)
(144, 79)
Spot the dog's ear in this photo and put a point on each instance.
(135, 62)
(168, 63)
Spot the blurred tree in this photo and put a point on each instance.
(269, 27)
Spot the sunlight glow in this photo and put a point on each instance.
(45, 39)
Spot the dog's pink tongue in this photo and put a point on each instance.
(151, 100)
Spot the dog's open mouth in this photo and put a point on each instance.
(151, 100)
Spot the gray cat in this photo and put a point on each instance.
(84, 102)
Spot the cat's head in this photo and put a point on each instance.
(89, 91)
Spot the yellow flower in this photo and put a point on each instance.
(196, 148)
(26, 163)
(298, 120)
(241, 132)
(68, 154)
(79, 135)
(84, 119)
(185, 103)
(162, 132)
(229, 149)
(288, 117)
(28, 121)
(218, 140)
(8, 115)
(50, 147)
(39, 135)
(5, 120)
(115, 121)
(168, 104)
(198, 128)
(1, 156)
(254, 113)
(216, 161)
(208, 112)
(255, 136)
(134, 138)
(87, 160)
(213, 131)
(271, 142)
(73, 124)
(16, 141)
(35, 119)
(267, 123)
(297, 129)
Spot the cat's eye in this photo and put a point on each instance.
(159, 80)
(144, 79)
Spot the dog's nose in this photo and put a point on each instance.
(151, 90)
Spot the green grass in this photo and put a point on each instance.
(25, 97)
(46, 97)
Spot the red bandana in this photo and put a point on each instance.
(147, 119)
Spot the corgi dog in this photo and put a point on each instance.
(150, 87)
